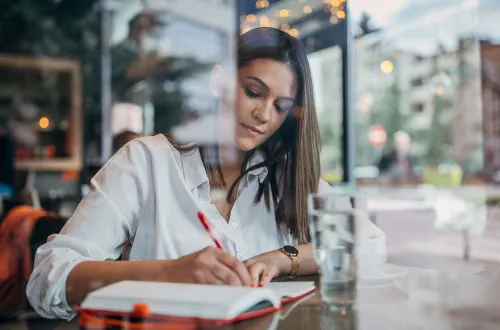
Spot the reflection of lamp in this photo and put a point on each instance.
(440, 84)
(44, 122)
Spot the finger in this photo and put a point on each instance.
(255, 272)
(265, 277)
(237, 266)
(204, 277)
(225, 274)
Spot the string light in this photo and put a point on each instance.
(293, 32)
(333, 20)
(264, 21)
(251, 18)
(307, 9)
(283, 13)
(285, 27)
(336, 9)
(261, 4)
(245, 29)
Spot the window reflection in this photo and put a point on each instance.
(163, 62)
(321, 27)
(420, 67)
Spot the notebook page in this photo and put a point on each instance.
(190, 300)
(291, 289)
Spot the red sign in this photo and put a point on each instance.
(377, 136)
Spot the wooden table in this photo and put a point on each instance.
(422, 299)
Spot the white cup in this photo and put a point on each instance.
(371, 254)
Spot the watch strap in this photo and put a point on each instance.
(295, 266)
(295, 262)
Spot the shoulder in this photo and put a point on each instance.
(141, 153)
(148, 146)
(153, 143)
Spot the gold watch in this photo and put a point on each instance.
(293, 253)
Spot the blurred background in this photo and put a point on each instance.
(407, 91)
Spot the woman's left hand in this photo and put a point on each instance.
(263, 268)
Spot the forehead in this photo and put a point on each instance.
(279, 77)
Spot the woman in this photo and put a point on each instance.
(148, 195)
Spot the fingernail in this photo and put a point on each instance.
(252, 286)
(261, 285)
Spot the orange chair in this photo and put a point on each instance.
(15, 257)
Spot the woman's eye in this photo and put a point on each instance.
(282, 108)
(251, 93)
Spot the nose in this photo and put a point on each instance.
(263, 112)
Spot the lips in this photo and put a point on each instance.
(253, 129)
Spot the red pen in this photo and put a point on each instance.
(205, 224)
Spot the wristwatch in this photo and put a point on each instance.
(293, 253)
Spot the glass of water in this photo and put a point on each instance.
(333, 219)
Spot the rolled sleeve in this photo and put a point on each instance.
(104, 220)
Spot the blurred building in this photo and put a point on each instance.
(490, 56)
(434, 95)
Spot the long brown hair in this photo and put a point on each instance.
(291, 155)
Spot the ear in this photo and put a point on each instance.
(216, 80)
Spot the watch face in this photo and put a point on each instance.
(290, 249)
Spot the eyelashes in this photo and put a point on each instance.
(251, 93)
(256, 95)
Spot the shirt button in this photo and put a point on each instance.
(234, 225)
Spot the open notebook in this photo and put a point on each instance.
(217, 302)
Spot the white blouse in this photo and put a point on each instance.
(148, 194)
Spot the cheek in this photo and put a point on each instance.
(276, 123)
(244, 105)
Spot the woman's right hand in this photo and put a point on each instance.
(208, 266)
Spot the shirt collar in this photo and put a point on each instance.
(257, 158)
(195, 173)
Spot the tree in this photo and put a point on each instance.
(365, 25)
(439, 141)
(65, 28)
(387, 112)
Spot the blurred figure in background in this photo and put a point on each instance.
(396, 164)
(133, 58)
(6, 158)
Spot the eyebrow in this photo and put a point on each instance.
(264, 85)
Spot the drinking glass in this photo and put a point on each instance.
(333, 219)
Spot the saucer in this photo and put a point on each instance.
(385, 276)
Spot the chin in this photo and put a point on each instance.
(243, 144)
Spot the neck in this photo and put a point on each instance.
(231, 163)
